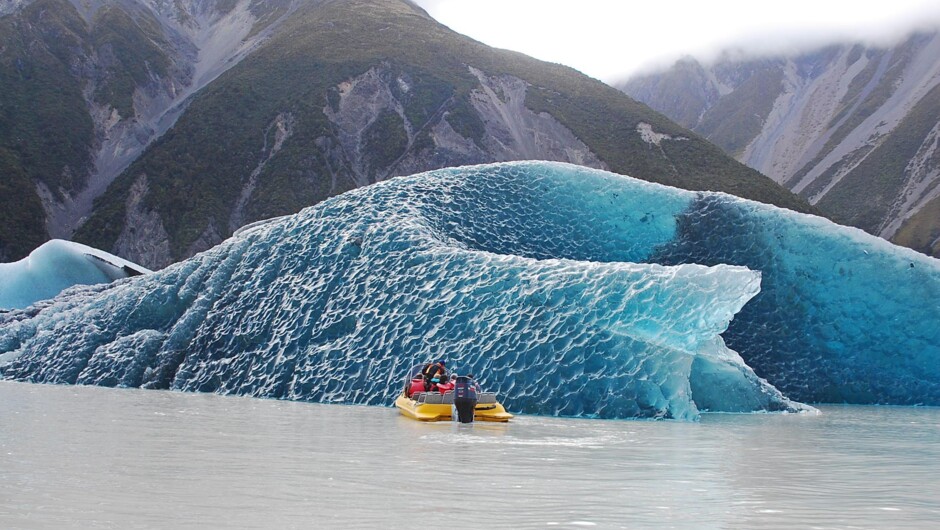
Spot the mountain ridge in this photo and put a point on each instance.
(850, 127)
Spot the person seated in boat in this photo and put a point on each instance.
(447, 386)
(417, 385)
(433, 374)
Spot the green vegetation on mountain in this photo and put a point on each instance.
(49, 55)
(385, 140)
(875, 182)
(21, 228)
(45, 130)
(132, 52)
(737, 119)
(296, 72)
(43, 119)
(922, 231)
(197, 171)
(463, 119)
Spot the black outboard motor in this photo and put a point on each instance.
(465, 398)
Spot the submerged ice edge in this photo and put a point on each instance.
(328, 304)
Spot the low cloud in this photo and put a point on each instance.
(612, 39)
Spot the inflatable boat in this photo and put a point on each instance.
(437, 404)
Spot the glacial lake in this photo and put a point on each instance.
(85, 457)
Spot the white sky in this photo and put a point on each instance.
(611, 39)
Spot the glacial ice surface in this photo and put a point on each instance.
(842, 317)
(520, 273)
(569, 291)
(57, 265)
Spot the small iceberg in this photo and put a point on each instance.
(55, 266)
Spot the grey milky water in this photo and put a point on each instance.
(82, 457)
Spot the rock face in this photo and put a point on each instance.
(144, 235)
(510, 131)
(200, 40)
(851, 128)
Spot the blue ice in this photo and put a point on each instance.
(57, 265)
(570, 291)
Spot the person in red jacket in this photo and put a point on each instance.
(417, 385)
(447, 386)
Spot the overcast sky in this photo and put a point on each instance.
(609, 39)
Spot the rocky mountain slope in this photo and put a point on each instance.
(85, 87)
(852, 128)
(156, 128)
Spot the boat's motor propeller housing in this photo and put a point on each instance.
(465, 398)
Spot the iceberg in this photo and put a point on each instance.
(570, 291)
(843, 316)
(55, 266)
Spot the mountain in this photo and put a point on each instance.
(184, 121)
(85, 87)
(852, 128)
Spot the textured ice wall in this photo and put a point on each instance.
(57, 265)
(516, 272)
(842, 316)
(520, 272)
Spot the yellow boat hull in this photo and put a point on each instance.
(443, 412)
